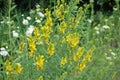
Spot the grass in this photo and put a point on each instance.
(65, 42)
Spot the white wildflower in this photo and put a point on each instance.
(97, 32)
(106, 20)
(15, 34)
(28, 18)
(22, 15)
(105, 54)
(37, 6)
(113, 53)
(40, 14)
(25, 22)
(106, 27)
(2, 22)
(96, 28)
(89, 20)
(115, 9)
(38, 21)
(108, 58)
(32, 11)
(18, 27)
(3, 52)
(8, 22)
(6, 47)
(30, 30)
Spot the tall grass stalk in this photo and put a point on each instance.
(9, 20)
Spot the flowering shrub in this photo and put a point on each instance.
(57, 43)
(49, 47)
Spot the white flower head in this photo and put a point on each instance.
(37, 6)
(30, 30)
(6, 47)
(15, 34)
(32, 11)
(22, 15)
(41, 14)
(2, 22)
(28, 18)
(2, 49)
(106, 27)
(97, 32)
(108, 58)
(96, 28)
(18, 27)
(106, 20)
(113, 53)
(3, 52)
(38, 21)
(115, 9)
(89, 20)
(25, 22)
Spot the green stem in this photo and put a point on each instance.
(9, 20)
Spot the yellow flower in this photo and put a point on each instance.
(18, 68)
(79, 53)
(51, 49)
(58, 13)
(81, 66)
(31, 54)
(62, 30)
(40, 78)
(8, 67)
(49, 22)
(47, 13)
(111, 63)
(73, 39)
(46, 36)
(31, 46)
(89, 55)
(39, 62)
(62, 27)
(36, 32)
(63, 61)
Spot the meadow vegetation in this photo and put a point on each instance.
(62, 42)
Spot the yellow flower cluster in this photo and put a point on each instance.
(16, 68)
(63, 61)
(82, 65)
(39, 62)
(73, 39)
(40, 78)
(8, 67)
(36, 33)
(62, 27)
(51, 49)
(86, 59)
(47, 28)
(79, 53)
(31, 46)
(60, 11)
